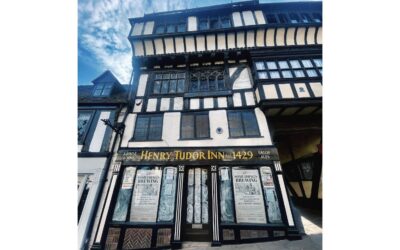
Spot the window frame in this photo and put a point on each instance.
(219, 19)
(209, 72)
(195, 114)
(133, 139)
(170, 72)
(103, 88)
(241, 111)
(86, 132)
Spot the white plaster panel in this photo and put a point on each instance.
(148, 44)
(316, 87)
(290, 36)
(300, 36)
(286, 90)
(231, 71)
(237, 20)
(270, 91)
(180, 47)
(178, 103)
(200, 42)
(237, 100)
(319, 36)
(138, 46)
(231, 40)
(249, 98)
(98, 136)
(138, 105)
(129, 128)
(248, 18)
(269, 37)
(192, 23)
(151, 104)
(194, 103)
(258, 98)
(121, 114)
(211, 42)
(243, 81)
(208, 103)
(311, 35)
(169, 45)
(142, 84)
(259, 17)
(159, 46)
(137, 29)
(301, 90)
(89, 165)
(286, 201)
(221, 41)
(250, 39)
(280, 37)
(148, 28)
(263, 125)
(240, 39)
(80, 148)
(164, 104)
(222, 102)
(190, 44)
(260, 38)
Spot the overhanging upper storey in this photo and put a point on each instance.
(237, 26)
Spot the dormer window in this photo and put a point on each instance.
(102, 89)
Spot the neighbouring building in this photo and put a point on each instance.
(223, 98)
(105, 100)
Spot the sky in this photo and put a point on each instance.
(103, 29)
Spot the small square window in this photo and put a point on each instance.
(311, 73)
(160, 29)
(305, 18)
(282, 18)
(283, 65)
(260, 65)
(170, 28)
(214, 24)
(307, 63)
(157, 87)
(181, 27)
(295, 64)
(181, 86)
(271, 65)
(318, 62)
(262, 75)
(299, 73)
(203, 24)
(164, 87)
(287, 74)
(225, 22)
(274, 74)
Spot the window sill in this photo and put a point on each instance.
(206, 94)
(194, 139)
(244, 137)
(133, 140)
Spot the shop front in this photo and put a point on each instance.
(165, 196)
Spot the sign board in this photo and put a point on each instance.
(198, 155)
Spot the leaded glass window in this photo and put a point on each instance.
(207, 81)
(148, 128)
(197, 198)
(242, 123)
(83, 125)
(169, 83)
(195, 126)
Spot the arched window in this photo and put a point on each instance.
(207, 81)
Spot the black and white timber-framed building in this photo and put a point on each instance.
(217, 94)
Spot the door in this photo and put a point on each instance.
(197, 223)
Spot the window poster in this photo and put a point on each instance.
(168, 193)
(124, 195)
(274, 213)
(249, 201)
(145, 195)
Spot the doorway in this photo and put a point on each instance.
(196, 222)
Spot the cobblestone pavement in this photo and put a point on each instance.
(311, 236)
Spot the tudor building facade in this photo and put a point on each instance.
(197, 160)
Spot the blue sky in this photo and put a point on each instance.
(103, 28)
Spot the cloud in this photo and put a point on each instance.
(103, 28)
